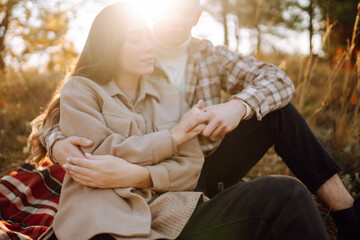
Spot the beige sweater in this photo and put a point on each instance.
(139, 134)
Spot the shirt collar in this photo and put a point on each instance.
(146, 89)
(195, 48)
(196, 45)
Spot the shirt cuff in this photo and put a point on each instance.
(52, 139)
(163, 146)
(256, 101)
(248, 109)
(160, 178)
(248, 113)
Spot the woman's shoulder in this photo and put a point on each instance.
(75, 81)
(79, 84)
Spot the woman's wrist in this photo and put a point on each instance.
(175, 137)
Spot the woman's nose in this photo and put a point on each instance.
(149, 46)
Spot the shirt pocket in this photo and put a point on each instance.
(118, 123)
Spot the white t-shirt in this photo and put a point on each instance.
(173, 61)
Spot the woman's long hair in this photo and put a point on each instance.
(98, 61)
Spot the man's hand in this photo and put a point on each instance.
(106, 171)
(69, 147)
(223, 118)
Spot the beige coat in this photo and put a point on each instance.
(139, 134)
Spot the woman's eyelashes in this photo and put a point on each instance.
(134, 37)
(139, 37)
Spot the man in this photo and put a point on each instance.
(240, 131)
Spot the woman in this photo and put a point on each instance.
(130, 116)
(140, 122)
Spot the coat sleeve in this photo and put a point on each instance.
(182, 171)
(262, 86)
(81, 115)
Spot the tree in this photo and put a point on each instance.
(6, 16)
(343, 13)
(312, 10)
(220, 9)
(34, 27)
(260, 15)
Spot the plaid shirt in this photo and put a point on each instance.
(210, 69)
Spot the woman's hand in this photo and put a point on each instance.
(69, 147)
(106, 171)
(181, 134)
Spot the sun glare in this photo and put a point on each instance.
(150, 10)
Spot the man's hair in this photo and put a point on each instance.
(195, 3)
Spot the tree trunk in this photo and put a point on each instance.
(258, 45)
(310, 11)
(224, 14)
(4, 25)
(237, 32)
(259, 6)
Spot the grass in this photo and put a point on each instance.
(22, 95)
(327, 94)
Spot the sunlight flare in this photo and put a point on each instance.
(151, 10)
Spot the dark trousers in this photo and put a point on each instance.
(262, 209)
(267, 208)
(244, 146)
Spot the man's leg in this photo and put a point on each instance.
(265, 208)
(295, 143)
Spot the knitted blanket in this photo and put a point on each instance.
(29, 200)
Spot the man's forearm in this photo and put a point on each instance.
(49, 137)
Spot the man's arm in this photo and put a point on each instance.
(257, 88)
(59, 147)
(263, 86)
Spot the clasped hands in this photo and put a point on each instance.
(213, 121)
(106, 171)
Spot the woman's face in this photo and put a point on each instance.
(137, 52)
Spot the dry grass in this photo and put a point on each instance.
(22, 95)
(328, 96)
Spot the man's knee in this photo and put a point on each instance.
(289, 109)
(289, 113)
(271, 186)
(267, 195)
(283, 188)
(281, 182)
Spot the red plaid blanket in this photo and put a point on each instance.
(29, 200)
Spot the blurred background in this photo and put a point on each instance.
(316, 42)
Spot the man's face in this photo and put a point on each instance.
(174, 28)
